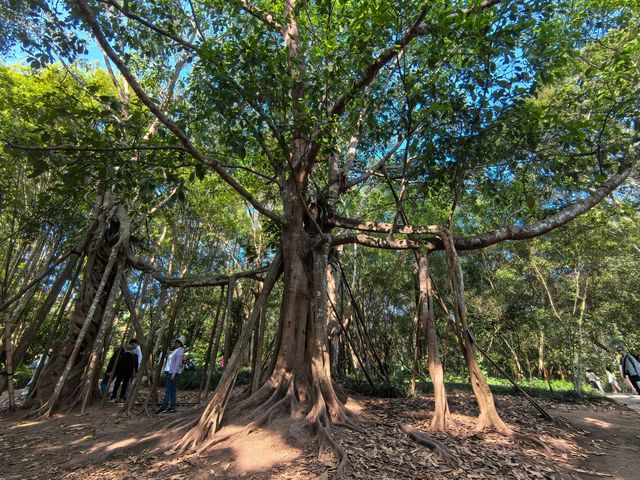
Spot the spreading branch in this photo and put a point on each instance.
(510, 232)
(191, 281)
(98, 34)
(161, 31)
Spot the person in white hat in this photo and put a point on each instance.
(172, 372)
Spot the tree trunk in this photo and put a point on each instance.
(228, 319)
(53, 333)
(436, 372)
(488, 417)
(211, 418)
(257, 352)
(63, 375)
(542, 370)
(9, 355)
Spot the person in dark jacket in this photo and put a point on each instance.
(107, 373)
(126, 368)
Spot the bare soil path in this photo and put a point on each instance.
(591, 441)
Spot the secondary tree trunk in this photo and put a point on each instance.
(436, 372)
(488, 417)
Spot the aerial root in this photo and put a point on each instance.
(431, 443)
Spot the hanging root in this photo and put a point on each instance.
(431, 443)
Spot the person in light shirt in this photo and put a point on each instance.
(172, 371)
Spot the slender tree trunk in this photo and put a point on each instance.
(436, 372)
(94, 364)
(209, 363)
(488, 417)
(9, 356)
(41, 314)
(542, 370)
(228, 319)
(257, 354)
(53, 334)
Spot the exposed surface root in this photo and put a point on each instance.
(495, 423)
(523, 437)
(431, 443)
(314, 407)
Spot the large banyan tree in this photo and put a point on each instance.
(303, 107)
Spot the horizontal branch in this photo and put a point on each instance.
(192, 281)
(377, 242)
(510, 232)
(379, 227)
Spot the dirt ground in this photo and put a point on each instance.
(589, 441)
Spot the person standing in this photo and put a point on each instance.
(107, 373)
(611, 378)
(172, 372)
(138, 352)
(126, 367)
(630, 367)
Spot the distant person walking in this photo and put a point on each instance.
(127, 367)
(613, 383)
(172, 371)
(107, 373)
(630, 368)
(594, 379)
